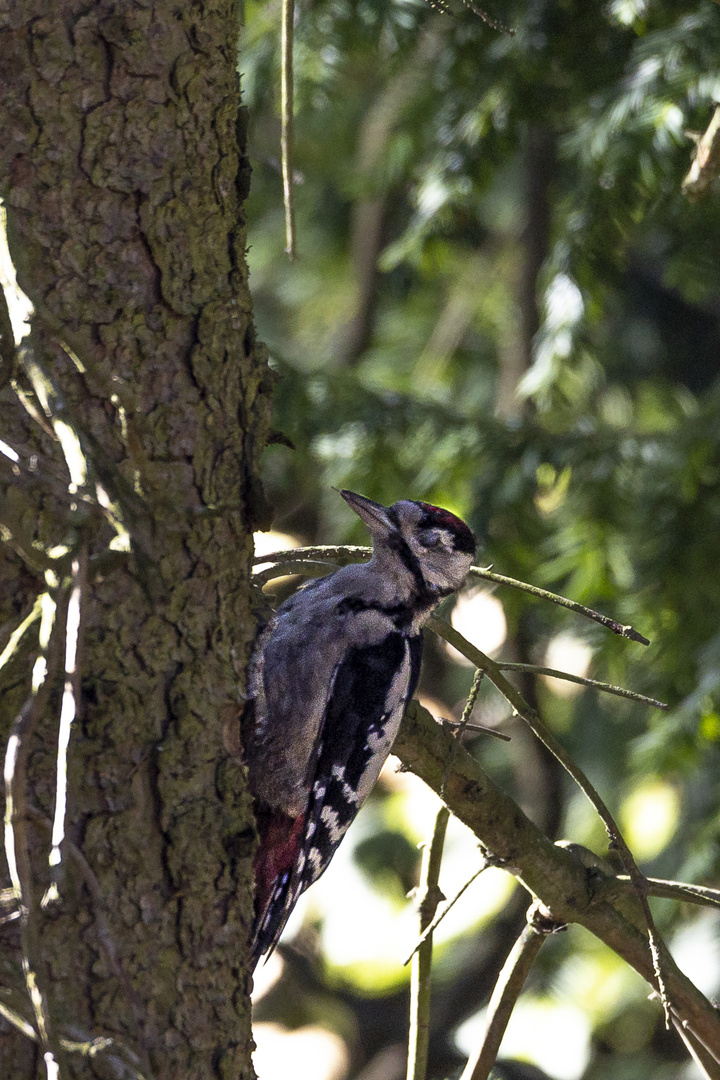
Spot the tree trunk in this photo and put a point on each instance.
(123, 171)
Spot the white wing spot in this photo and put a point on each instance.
(349, 793)
(315, 860)
(329, 818)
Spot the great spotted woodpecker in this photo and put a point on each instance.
(331, 676)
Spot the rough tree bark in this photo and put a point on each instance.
(123, 171)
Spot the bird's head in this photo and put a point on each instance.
(430, 543)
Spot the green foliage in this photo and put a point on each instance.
(557, 154)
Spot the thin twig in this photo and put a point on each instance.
(339, 553)
(440, 915)
(428, 896)
(504, 997)
(464, 721)
(123, 1061)
(286, 120)
(18, 1021)
(286, 569)
(530, 717)
(452, 724)
(702, 895)
(555, 598)
(344, 553)
(703, 1058)
(607, 688)
(489, 20)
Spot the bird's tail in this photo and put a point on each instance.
(276, 889)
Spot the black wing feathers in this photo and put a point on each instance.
(357, 714)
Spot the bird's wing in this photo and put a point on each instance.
(370, 691)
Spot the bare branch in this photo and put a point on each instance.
(504, 998)
(567, 889)
(285, 569)
(341, 554)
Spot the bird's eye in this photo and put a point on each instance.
(430, 538)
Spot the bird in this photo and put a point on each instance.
(330, 677)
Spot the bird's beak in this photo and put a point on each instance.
(375, 515)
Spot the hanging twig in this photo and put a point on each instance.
(286, 120)
(428, 896)
(504, 998)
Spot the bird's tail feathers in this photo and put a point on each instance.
(276, 884)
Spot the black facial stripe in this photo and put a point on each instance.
(409, 561)
(393, 517)
(401, 614)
